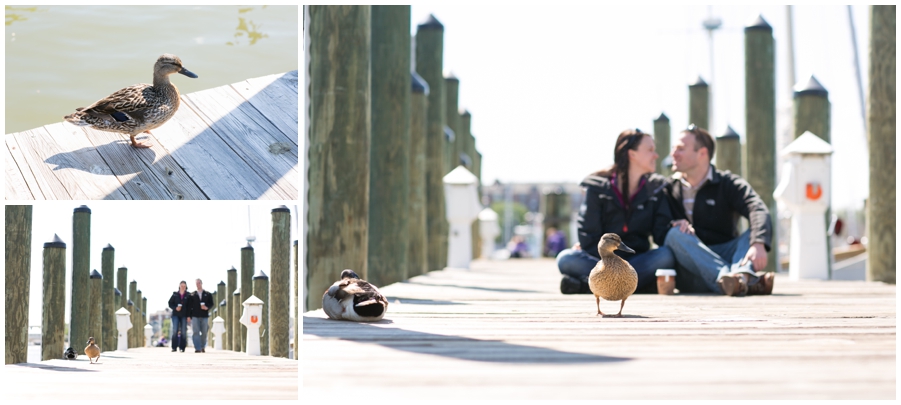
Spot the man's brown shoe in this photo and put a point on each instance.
(764, 285)
(733, 285)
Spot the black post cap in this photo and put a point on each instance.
(221, 282)
(123, 268)
(232, 269)
(133, 282)
(55, 243)
(131, 303)
(431, 23)
(465, 113)
(759, 24)
(260, 275)
(419, 85)
(449, 134)
(811, 88)
(139, 291)
(662, 117)
(83, 208)
(699, 82)
(248, 247)
(451, 76)
(281, 208)
(237, 292)
(728, 134)
(117, 291)
(109, 247)
(95, 274)
(222, 303)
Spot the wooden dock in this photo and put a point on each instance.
(154, 373)
(503, 331)
(235, 142)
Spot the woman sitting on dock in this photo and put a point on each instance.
(625, 199)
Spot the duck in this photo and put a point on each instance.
(92, 351)
(354, 299)
(139, 108)
(69, 354)
(613, 278)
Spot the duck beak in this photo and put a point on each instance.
(622, 246)
(188, 73)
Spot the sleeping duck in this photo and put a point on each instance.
(69, 354)
(353, 299)
(613, 278)
(92, 351)
(139, 108)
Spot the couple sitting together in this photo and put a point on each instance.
(693, 218)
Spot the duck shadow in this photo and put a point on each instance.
(456, 347)
(413, 301)
(83, 159)
(52, 367)
(470, 287)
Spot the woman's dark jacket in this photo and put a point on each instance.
(648, 214)
(194, 303)
(174, 300)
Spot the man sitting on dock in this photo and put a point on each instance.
(705, 203)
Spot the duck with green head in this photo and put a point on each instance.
(139, 108)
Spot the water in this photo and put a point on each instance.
(62, 57)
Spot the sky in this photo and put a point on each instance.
(161, 243)
(550, 87)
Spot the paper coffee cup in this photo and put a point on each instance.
(666, 281)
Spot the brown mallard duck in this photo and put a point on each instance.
(613, 279)
(353, 299)
(139, 108)
(92, 351)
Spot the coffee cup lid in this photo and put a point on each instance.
(666, 272)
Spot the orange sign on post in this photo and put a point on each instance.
(814, 191)
(254, 319)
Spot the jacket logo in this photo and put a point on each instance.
(711, 202)
(640, 206)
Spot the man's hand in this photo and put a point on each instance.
(189, 319)
(684, 226)
(757, 256)
(577, 246)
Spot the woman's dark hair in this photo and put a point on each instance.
(627, 140)
(183, 282)
(703, 139)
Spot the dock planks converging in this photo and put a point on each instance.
(234, 142)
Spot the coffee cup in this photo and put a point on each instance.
(666, 281)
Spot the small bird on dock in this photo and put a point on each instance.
(354, 299)
(69, 354)
(139, 108)
(92, 351)
(613, 278)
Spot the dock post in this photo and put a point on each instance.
(340, 131)
(662, 135)
(881, 134)
(451, 113)
(132, 298)
(233, 328)
(279, 295)
(728, 151)
(389, 169)
(429, 65)
(139, 317)
(699, 104)
(236, 315)
(108, 322)
(53, 321)
(417, 249)
(247, 265)
(80, 309)
(812, 112)
(117, 304)
(261, 291)
(130, 307)
(296, 305)
(18, 277)
(214, 312)
(222, 309)
(95, 329)
(144, 319)
(760, 119)
(464, 149)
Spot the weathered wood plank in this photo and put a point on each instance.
(36, 146)
(83, 162)
(17, 187)
(274, 96)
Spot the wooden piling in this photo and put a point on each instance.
(122, 286)
(117, 303)
(18, 277)
(80, 308)
(53, 321)
(261, 291)
(429, 65)
(662, 135)
(451, 105)
(233, 328)
(881, 110)
(296, 306)
(699, 103)
(464, 150)
(145, 317)
(223, 313)
(214, 311)
(222, 308)
(340, 128)
(760, 120)
(132, 298)
(728, 152)
(107, 294)
(811, 110)
(95, 327)
(247, 265)
(389, 169)
(139, 316)
(417, 258)
(279, 295)
(236, 310)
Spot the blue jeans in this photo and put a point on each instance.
(700, 266)
(578, 264)
(179, 325)
(199, 327)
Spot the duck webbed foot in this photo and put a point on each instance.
(136, 144)
(598, 302)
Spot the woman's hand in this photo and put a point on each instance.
(684, 226)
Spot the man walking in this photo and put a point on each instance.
(704, 236)
(200, 303)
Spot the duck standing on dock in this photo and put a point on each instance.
(139, 108)
(613, 278)
(92, 351)
(354, 299)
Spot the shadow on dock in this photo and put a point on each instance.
(51, 367)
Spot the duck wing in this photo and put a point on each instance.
(368, 301)
(130, 103)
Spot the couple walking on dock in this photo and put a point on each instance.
(187, 307)
(692, 217)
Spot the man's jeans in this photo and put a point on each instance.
(179, 325)
(199, 327)
(578, 264)
(700, 266)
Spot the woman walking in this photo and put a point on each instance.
(180, 312)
